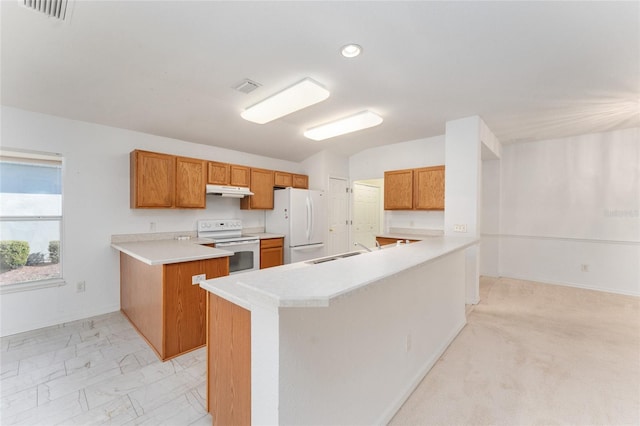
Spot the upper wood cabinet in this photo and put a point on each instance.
(398, 190)
(414, 189)
(262, 187)
(428, 188)
(166, 181)
(228, 174)
(240, 175)
(190, 183)
(300, 181)
(152, 180)
(282, 179)
(218, 173)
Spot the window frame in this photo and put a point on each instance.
(35, 157)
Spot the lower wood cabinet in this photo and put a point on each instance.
(271, 252)
(228, 362)
(164, 306)
(383, 241)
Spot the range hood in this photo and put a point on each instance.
(228, 191)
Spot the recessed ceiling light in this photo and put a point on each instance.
(351, 50)
(301, 95)
(352, 123)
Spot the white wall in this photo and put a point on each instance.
(571, 202)
(490, 219)
(96, 205)
(372, 163)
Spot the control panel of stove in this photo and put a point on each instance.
(219, 225)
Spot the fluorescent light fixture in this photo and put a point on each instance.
(351, 50)
(301, 95)
(352, 123)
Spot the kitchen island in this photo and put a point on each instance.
(339, 342)
(159, 292)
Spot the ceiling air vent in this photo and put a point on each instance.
(246, 86)
(51, 8)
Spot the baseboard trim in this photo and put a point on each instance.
(60, 320)
(572, 284)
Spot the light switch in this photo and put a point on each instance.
(197, 279)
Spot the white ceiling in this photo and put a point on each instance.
(531, 70)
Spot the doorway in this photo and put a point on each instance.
(338, 216)
(367, 211)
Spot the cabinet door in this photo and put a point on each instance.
(282, 179)
(428, 188)
(240, 176)
(152, 180)
(301, 181)
(185, 303)
(218, 173)
(398, 190)
(190, 183)
(271, 252)
(262, 188)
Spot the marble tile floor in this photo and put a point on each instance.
(98, 371)
(530, 354)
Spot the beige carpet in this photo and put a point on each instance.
(536, 354)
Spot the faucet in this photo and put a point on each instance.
(361, 245)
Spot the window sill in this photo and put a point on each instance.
(34, 285)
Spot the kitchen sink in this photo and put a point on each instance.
(334, 257)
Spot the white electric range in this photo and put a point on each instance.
(227, 234)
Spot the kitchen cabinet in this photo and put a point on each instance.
(428, 188)
(282, 179)
(166, 181)
(218, 173)
(190, 183)
(300, 181)
(414, 189)
(262, 187)
(384, 241)
(239, 175)
(285, 179)
(163, 304)
(271, 252)
(228, 174)
(398, 190)
(152, 180)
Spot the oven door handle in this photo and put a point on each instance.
(240, 243)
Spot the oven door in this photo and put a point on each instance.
(246, 255)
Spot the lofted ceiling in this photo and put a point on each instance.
(531, 70)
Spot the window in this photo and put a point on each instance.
(30, 220)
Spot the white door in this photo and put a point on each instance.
(366, 214)
(338, 216)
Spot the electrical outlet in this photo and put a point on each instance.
(584, 267)
(152, 226)
(197, 279)
(81, 287)
(460, 228)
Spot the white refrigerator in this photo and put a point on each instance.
(301, 215)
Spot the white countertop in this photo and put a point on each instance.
(411, 236)
(306, 285)
(161, 252)
(265, 235)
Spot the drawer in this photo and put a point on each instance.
(271, 242)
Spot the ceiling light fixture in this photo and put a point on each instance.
(301, 95)
(352, 123)
(351, 50)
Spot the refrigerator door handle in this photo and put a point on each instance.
(308, 206)
(312, 222)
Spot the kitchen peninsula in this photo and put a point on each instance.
(339, 342)
(159, 292)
